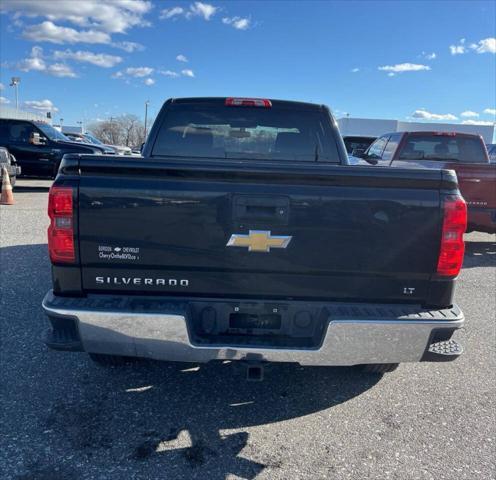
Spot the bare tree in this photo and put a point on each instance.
(132, 129)
(107, 131)
(125, 130)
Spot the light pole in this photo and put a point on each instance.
(146, 116)
(15, 81)
(112, 130)
(81, 124)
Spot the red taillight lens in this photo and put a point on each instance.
(248, 102)
(61, 229)
(452, 244)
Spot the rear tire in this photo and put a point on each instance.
(110, 360)
(380, 367)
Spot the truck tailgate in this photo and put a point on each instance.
(477, 183)
(355, 233)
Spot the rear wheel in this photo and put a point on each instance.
(110, 360)
(380, 367)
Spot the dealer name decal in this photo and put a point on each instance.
(107, 252)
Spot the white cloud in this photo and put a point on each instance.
(149, 81)
(169, 73)
(36, 62)
(429, 56)
(4, 101)
(98, 59)
(93, 21)
(404, 67)
(171, 12)
(459, 49)
(135, 72)
(477, 122)
(129, 47)
(238, 23)
(391, 74)
(490, 111)
(33, 62)
(60, 70)
(49, 32)
(187, 73)
(487, 45)
(200, 9)
(138, 71)
(196, 9)
(44, 105)
(182, 58)
(355, 70)
(115, 16)
(469, 114)
(425, 115)
(2, 86)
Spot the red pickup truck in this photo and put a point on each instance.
(464, 153)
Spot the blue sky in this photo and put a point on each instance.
(88, 60)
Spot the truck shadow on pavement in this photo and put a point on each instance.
(150, 419)
(479, 254)
(26, 188)
(172, 416)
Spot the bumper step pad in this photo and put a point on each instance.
(64, 335)
(445, 351)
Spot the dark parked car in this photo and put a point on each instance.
(464, 153)
(8, 161)
(84, 138)
(353, 142)
(38, 147)
(243, 234)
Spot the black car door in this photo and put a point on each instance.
(35, 160)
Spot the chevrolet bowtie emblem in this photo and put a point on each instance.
(259, 241)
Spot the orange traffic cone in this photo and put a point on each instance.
(7, 197)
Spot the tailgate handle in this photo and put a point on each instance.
(275, 209)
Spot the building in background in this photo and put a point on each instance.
(7, 112)
(72, 129)
(375, 127)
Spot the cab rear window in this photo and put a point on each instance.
(219, 131)
(456, 148)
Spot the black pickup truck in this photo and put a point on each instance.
(242, 234)
(39, 147)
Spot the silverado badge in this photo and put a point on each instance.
(259, 241)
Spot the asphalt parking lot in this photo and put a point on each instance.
(65, 418)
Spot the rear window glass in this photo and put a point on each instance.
(351, 143)
(444, 148)
(376, 149)
(218, 131)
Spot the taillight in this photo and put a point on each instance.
(452, 244)
(61, 229)
(248, 102)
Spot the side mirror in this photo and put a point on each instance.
(358, 152)
(36, 139)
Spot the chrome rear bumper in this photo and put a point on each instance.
(110, 325)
